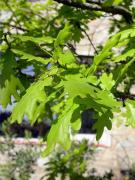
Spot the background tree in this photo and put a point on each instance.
(41, 36)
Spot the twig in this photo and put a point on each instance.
(90, 41)
(14, 26)
(108, 9)
(94, 2)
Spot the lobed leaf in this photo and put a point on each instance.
(10, 85)
(30, 57)
(60, 132)
(130, 113)
(32, 103)
(107, 81)
(38, 40)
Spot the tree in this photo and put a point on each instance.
(42, 36)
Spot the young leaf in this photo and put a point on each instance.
(107, 81)
(130, 113)
(124, 56)
(63, 36)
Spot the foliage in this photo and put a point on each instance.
(73, 163)
(21, 161)
(42, 36)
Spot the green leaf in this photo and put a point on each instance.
(108, 2)
(81, 1)
(112, 42)
(76, 86)
(107, 81)
(117, 2)
(58, 107)
(107, 99)
(10, 85)
(93, 80)
(98, 59)
(76, 119)
(130, 113)
(32, 103)
(123, 70)
(63, 36)
(66, 58)
(104, 120)
(115, 41)
(128, 33)
(30, 57)
(112, 2)
(37, 40)
(10, 88)
(60, 132)
(69, 86)
(129, 53)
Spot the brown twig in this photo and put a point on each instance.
(15, 26)
(90, 41)
(95, 7)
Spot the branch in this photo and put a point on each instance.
(98, 2)
(14, 26)
(90, 41)
(108, 9)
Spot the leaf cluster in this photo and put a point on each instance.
(60, 87)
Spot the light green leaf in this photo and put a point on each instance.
(12, 87)
(58, 107)
(128, 33)
(66, 58)
(123, 70)
(78, 87)
(129, 53)
(93, 80)
(108, 2)
(30, 57)
(32, 103)
(112, 42)
(107, 51)
(81, 1)
(130, 113)
(117, 2)
(107, 99)
(98, 59)
(112, 2)
(107, 81)
(61, 130)
(37, 40)
(63, 36)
